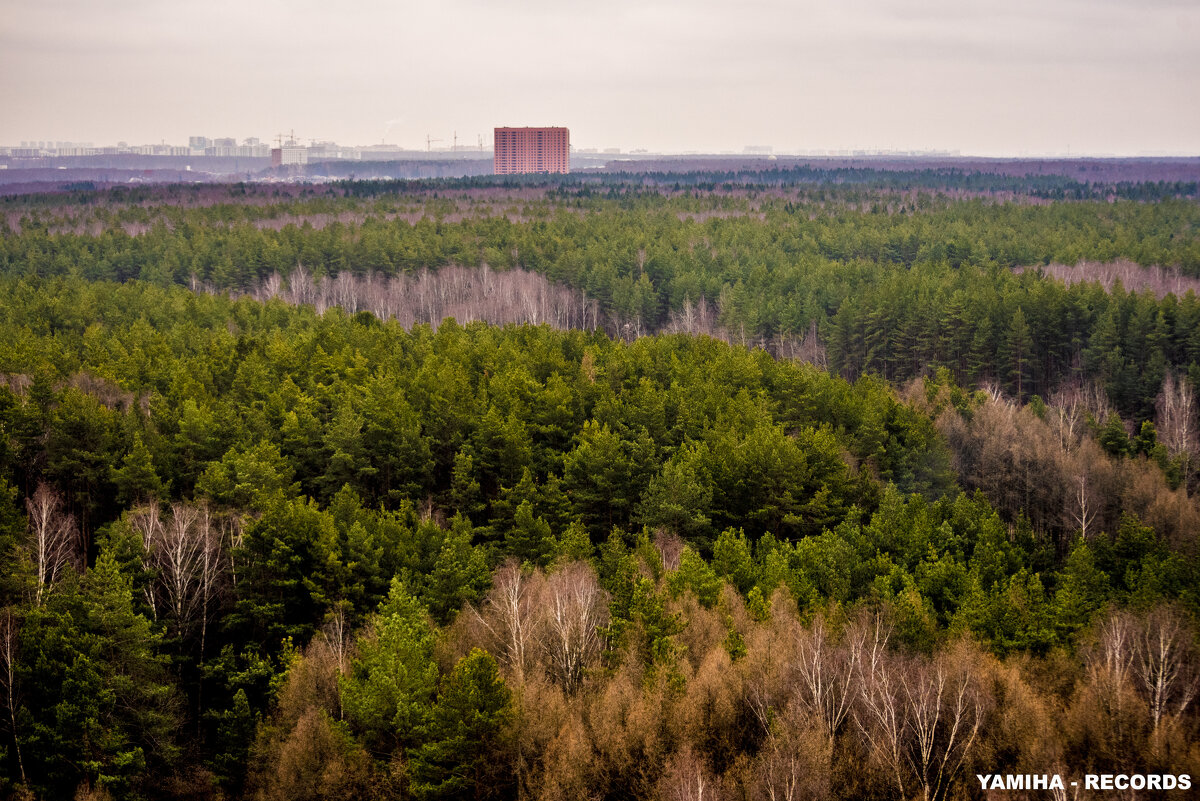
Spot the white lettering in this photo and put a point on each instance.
(1091, 781)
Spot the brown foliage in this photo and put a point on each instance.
(313, 680)
(795, 760)
(819, 710)
(300, 753)
(312, 760)
(1057, 475)
(1132, 712)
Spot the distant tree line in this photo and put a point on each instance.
(887, 282)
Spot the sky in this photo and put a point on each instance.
(982, 77)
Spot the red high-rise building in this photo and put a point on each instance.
(518, 150)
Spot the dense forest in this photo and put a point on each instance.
(894, 282)
(774, 487)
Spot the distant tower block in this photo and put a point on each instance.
(531, 150)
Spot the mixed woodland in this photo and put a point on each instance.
(789, 484)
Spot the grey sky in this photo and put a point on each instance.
(997, 77)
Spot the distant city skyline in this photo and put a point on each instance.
(198, 145)
(987, 78)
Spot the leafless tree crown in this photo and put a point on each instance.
(54, 539)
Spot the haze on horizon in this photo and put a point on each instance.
(993, 77)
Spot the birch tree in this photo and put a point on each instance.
(54, 539)
(920, 716)
(9, 630)
(1176, 413)
(576, 608)
(1164, 666)
(512, 616)
(827, 674)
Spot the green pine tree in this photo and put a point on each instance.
(463, 756)
(136, 479)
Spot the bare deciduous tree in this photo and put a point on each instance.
(1066, 415)
(187, 551)
(1082, 507)
(880, 714)
(212, 566)
(9, 631)
(1112, 660)
(826, 672)
(920, 717)
(430, 296)
(1164, 665)
(177, 556)
(687, 778)
(576, 608)
(232, 534)
(148, 523)
(944, 711)
(795, 760)
(1142, 677)
(670, 548)
(513, 615)
(1133, 276)
(55, 542)
(1176, 413)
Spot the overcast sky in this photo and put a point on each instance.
(988, 77)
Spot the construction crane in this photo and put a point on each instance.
(429, 142)
(291, 138)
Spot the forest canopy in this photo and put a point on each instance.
(738, 483)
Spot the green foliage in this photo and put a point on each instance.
(574, 544)
(529, 539)
(695, 575)
(460, 573)
(732, 559)
(463, 755)
(1113, 437)
(341, 444)
(757, 606)
(248, 478)
(389, 693)
(289, 559)
(1081, 590)
(604, 475)
(97, 703)
(136, 479)
(679, 498)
